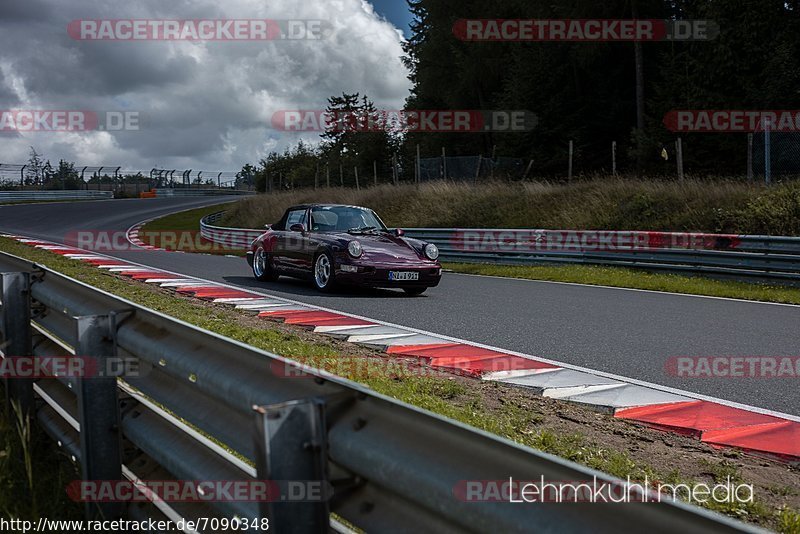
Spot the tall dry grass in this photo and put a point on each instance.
(610, 204)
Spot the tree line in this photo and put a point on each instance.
(590, 93)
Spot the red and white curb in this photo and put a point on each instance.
(133, 236)
(717, 422)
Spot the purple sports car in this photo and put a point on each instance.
(334, 244)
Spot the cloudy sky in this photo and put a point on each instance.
(203, 104)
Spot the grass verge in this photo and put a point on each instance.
(181, 231)
(33, 473)
(569, 431)
(635, 279)
(723, 206)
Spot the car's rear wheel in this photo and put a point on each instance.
(324, 272)
(262, 266)
(414, 291)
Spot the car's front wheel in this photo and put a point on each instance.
(262, 266)
(323, 272)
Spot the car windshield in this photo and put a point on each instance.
(345, 219)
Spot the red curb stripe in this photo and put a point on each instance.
(313, 317)
(343, 321)
(415, 350)
(457, 350)
(492, 365)
(98, 263)
(194, 289)
(694, 418)
(230, 294)
(781, 438)
(145, 276)
(66, 250)
(132, 274)
(281, 314)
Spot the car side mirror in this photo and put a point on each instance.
(297, 228)
(399, 232)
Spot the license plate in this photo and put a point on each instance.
(400, 276)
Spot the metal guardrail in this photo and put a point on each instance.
(760, 258)
(207, 408)
(55, 195)
(189, 192)
(765, 258)
(229, 237)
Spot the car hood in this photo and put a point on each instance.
(386, 248)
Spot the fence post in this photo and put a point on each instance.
(614, 158)
(316, 177)
(355, 171)
(478, 171)
(327, 175)
(750, 157)
(679, 154)
(527, 170)
(291, 446)
(395, 170)
(15, 334)
(341, 175)
(375, 172)
(444, 164)
(571, 151)
(98, 410)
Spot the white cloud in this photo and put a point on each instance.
(203, 104)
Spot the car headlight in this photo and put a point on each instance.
(431, 252)
(354, 248)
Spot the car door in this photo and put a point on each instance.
(290, 243)
(295, 243)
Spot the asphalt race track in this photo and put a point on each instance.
(629, 333)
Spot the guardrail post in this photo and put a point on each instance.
(98, 411)
(15, 334)
(291, 453)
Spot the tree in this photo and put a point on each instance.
(34, 168)
(65, 177)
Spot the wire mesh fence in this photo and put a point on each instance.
(470, 168)
(775, 155)
(112, 178)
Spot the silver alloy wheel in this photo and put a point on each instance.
(322, 271)
(260, 262)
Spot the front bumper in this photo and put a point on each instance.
(371, 276)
